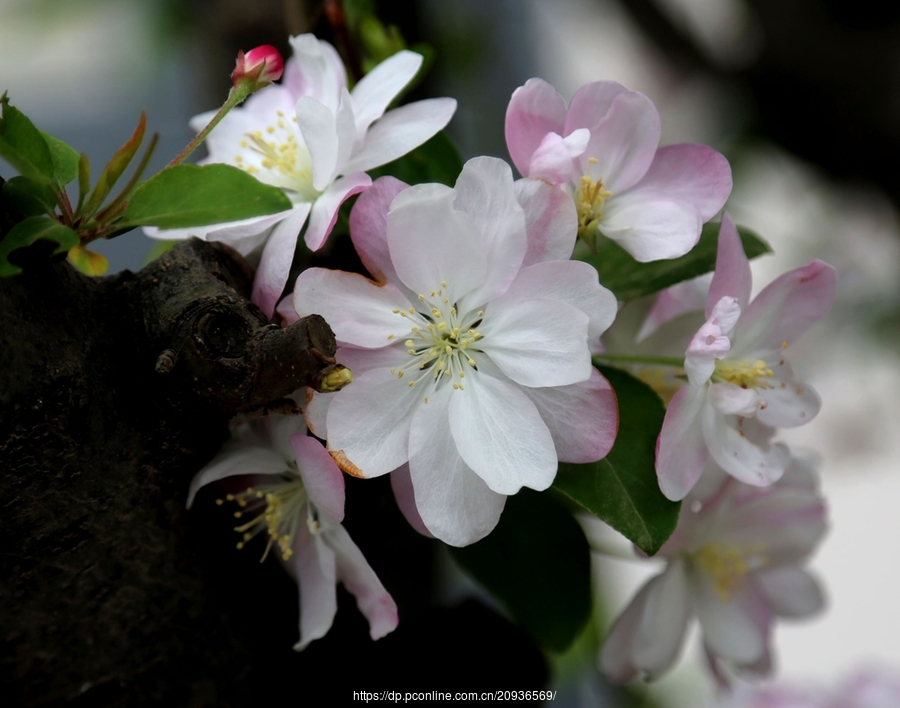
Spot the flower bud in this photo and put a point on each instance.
(259, 67)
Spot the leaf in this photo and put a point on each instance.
(436, 160)
(65, 160)
(88, 262)
(23, 198)
(23, 146)
(629, 279)
(622, 489)
(537, 563)
(117, 164)
(190, 195)
(27, 232)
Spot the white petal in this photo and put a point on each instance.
(650, 230)
(789, 402)
(729, 399)
(405, 496)
(551, 221)
(318, 126)
(401, 130)
(752, 464)
(381, 85)
(661, 630)
(681, 451)
(583, 418)
(359, 310)
(616, 660)
(572, 282)
(316, 573)
(242, 235)
(537, 342)
(500, 435)
(275, 263)
(792, 591)
(321, 73)
(354, 571)
(235, 459)
(454, 503)
(728, 627)
(322, 479)
(326, 207)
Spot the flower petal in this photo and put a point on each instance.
(650, 230)
(326, 207)
(792, 591)
(789, 402)
(534, 110)
(553, 161)
(368, 227)
(616, 660)
(729, 399)
(318, 126)
(375, 91)
(732, 277)
(401, 130)
(729, 628)
(319, 71)
(551, 221)
(359, 311)
(583, 418)
(243, 235)
(752, 464)
(537, 342)
(405, 495)
(322, 478)
(455, 504)
(681, 451)
(369, 422)
(660, 633)
(623, 142)
(275, 263)
(572, 282)
(354, 571)
(787, 307)
(237, 458)
(500, 435)
(590, 104)
(315, 569)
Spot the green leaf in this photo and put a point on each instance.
(117, 164)
(23, 146)
(23, 198)
(622, 489)
(537, 563)
(190, 195)
(65, 160)
(88, 262)
(434, 161)
(27, 232)
(629, 279)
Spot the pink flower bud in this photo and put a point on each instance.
(260, 66)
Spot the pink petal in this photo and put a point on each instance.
(590, 104)
(375, 91)
(534, 110)
(321, 477)
(553, 161)
(326, 207)
(623, 143)
(401, 130)
(551, 221)
(374, 602)
(275, 263)
(405, 495)
(315, 568)
(660, 633)
(368, 227)
(681, 451)
(710, 342)
(583, 418)
(671, 303)
(359, 311)
(787, 307)
(732, 277)
(500, 435)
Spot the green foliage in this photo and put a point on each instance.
(434, 161)
(65, 160)
(537, 563)
(23, 146)
(23, 198)
(629, 279)
(27, 232)
(190, 195)
(622, 489)
(115, 167)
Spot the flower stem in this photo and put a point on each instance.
(642, 359)
(235, 96)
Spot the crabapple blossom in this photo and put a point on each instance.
(296, 497)
(734, 562)
(603, 151)
(472, 373)
(740, 385)
(314, 139)
(260, 66)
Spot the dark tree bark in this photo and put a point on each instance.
(115, 391)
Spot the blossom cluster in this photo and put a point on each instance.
(470, 340)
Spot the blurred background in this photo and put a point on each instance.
(802, 96)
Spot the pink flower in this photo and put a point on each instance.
(740, 383)
(297, 495)
(260, 66)
(315, 140)
(735, 562)
(603, 152)
(472, 373)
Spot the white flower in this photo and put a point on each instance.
(314, 139)
(735, 562)
(297, 499)
(740, 383)
(470, 356)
